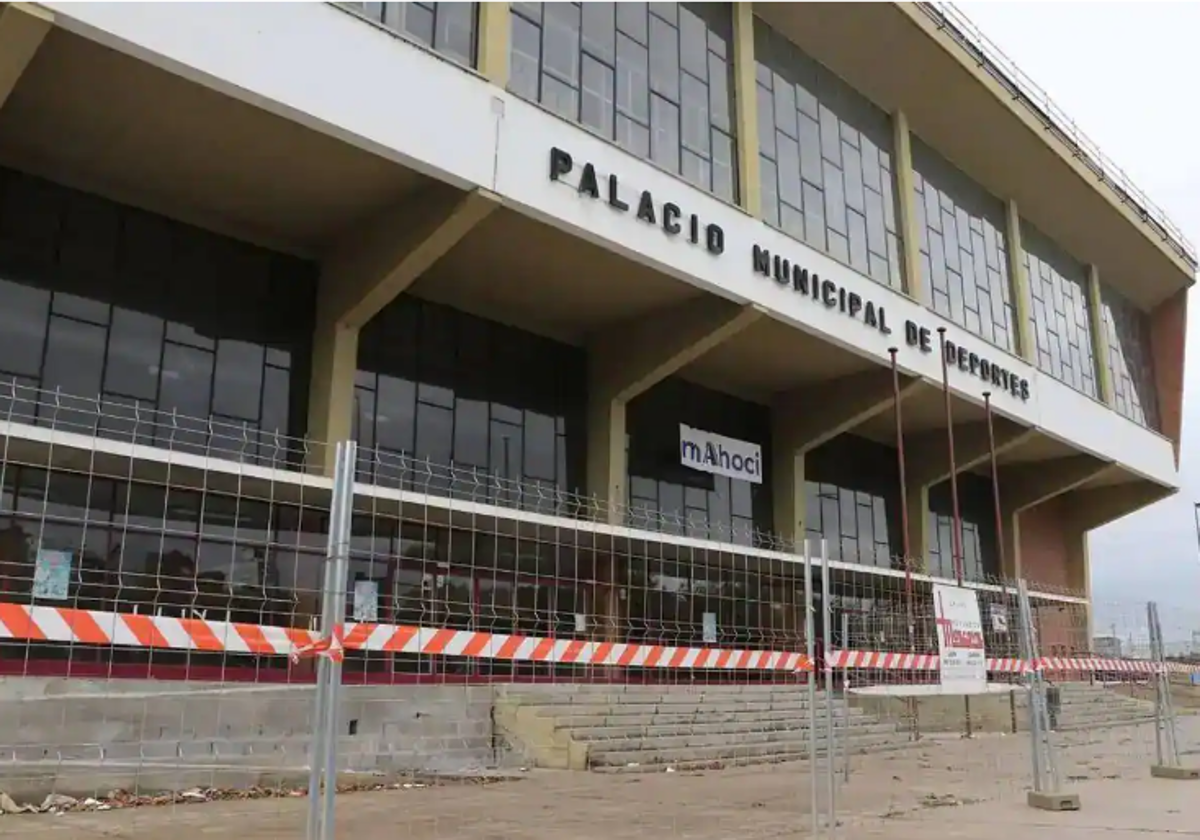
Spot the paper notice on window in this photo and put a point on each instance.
(709, 628)
(52, 575)
(366, 601)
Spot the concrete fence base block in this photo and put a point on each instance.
(1161, 771)
(1053, 801)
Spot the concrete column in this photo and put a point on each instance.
(631, 358)
(1100, 348)
(1018, 280)
(805, 418)
(906, 208)
(360, 275)
(1026, 485)
(1168, 343)
(928, 463)
(23, 27)
(495, 31)
(745, 99)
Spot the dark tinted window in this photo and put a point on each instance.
(452, 403)
(853, 501)
(980, 555)
(142, 327)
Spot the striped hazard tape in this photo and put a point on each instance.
(888, 661)
(93, 627)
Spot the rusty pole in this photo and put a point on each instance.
(957, 528)
(899, 416)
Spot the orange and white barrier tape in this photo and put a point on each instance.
(888, 661)
(93, 627)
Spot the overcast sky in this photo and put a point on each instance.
(1127, 74)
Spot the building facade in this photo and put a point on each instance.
(651, 277)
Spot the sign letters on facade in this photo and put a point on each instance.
(824, 291)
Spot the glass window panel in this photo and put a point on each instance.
(561, 42)
(435, 434)
(828, 128)
(454, 33)
(134, 347)
(599, 31)
(696, 125)
(597, 95)
(237, 387)
(1061, 311)
(275, 401)
(664, 133)
(23, 314)
(526, 58)
(632, 20)
(74, 358)
(471, 433)
(186, 381)
(952, 207)
(614, 57)
(396, 414)
(632, 79)
(664, 59)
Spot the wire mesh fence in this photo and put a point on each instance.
(196, 634)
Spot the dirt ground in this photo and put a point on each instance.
(951, 788)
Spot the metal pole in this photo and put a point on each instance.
(957, 530)
(846, 694)
(810, 650)
(329, 590)
(898, 413)
(1156, 659)
(830, 742)
(1030, 655)
(1196, 516)
(343, 486)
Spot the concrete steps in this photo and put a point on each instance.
(1087, 706)
(647, 728)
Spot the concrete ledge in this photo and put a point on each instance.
(1183, 774)
(1053, 801)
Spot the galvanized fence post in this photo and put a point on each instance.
(1045, 794)
(323, 760)
(830, 723)
(1166, 735)
(810, 650)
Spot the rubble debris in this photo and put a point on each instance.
(57, 803)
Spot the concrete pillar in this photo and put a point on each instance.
(1027, 485)
(361, 274)
(495, 32)
(23, 27)
(928, 463)
(1018, 280)
(906, 208)
(745, 99)
(1100, 348)
(628, 360)
(806, 417)
(1168, 344)
(1088, 508)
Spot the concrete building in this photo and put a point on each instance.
(633, 273)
